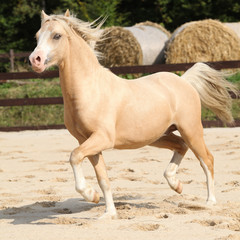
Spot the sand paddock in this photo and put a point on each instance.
(38, 199)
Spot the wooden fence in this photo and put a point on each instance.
(10, 57)
(116, 70)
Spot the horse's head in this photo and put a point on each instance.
(56, 34)
(51, 43)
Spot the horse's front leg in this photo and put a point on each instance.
(91, 148)
(81, 185)
(103, 180)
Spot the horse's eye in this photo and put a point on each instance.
(57, 36)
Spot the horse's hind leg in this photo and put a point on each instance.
(194, 139)
(176, 144)
(208, 168)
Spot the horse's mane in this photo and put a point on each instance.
(89, 31)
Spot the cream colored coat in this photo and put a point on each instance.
(103, 111)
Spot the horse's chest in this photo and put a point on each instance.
(78, 123)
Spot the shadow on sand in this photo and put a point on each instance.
(34, 213)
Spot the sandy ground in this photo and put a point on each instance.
(38, 198)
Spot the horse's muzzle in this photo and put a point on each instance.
(38, 60)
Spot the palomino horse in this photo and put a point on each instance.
(103, 111)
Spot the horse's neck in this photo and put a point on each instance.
(78, 71)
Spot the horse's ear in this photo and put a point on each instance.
(67, 13)
(43, 15)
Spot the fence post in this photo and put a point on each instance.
(11, 60)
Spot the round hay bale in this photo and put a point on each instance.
(119, 47)
(202, 41)
(152, 38)
(143, 43)
(235, 26)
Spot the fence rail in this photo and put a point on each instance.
(117, 70)
(5, 57)
(126, 70)
(14, 54)
(30, 101)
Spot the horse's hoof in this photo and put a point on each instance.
(108, 216)
(211, 202)
(179, 188)
(96, 198)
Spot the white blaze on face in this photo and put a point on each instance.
(39, 56)
(43, 42)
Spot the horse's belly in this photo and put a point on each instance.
(137, 130)
(127, 143)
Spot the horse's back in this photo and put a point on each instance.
(168, 87)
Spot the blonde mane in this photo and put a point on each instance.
(89, 31)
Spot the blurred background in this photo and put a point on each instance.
(20, 19)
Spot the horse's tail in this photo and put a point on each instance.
(212, 88)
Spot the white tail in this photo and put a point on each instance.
(213, 89)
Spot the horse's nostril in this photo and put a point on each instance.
(38, 59)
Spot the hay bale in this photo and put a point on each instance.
(152, 38)
(235, 26)
(202, 41)
(140, 44)
(119, 47)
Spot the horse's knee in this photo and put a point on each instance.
(76, 157)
